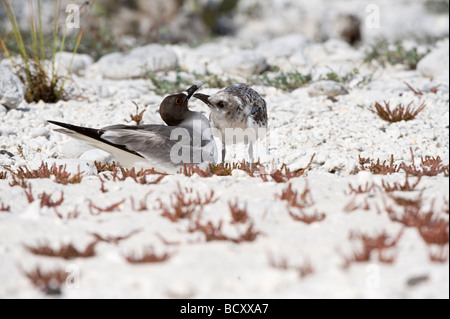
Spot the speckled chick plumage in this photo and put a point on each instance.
(237, 106)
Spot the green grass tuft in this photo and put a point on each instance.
(40, 77)
(384, 53)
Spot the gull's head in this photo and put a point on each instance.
(174, 108)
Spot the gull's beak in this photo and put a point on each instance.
(189, 92)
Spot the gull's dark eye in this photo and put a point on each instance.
(178, 101)
(220, 104)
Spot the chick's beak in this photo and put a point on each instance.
(203, 97)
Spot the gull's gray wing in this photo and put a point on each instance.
(142, 146)
(168, 147)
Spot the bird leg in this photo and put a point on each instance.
(250, 155)
(223, 154)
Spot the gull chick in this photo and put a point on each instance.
(237, 107)
(186, 139)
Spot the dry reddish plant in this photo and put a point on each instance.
(46, 200)
(210, 231)
(435, 232)
(220, 169)
(293, 199)
(142, 204)
(66, 251)
(189, 170)
(354, 205)
(20, 152)
(49, 282)
(225, 169)
(148, 256)
(410, 202)
(301, 216)
(399, 113)
(62, 177)
(368, 188)
(406, 187)
(284, 174)
(138, 177)
(430, 166)
(304, 270)
(70, 215)
(364, 160)
(60, 174)
(432, 228)
(250, 168)
(137, 116)
(214, 233)
(228, 168)
(415, 91)
(238, 215)
(29, 194)
(379, 243)
(141, 177)
(114, 239)
(445, 207)
(412, 216)
(249, 235)
(280, 263)
(156, 181)
(183, 204)
(439, 256)
(102, 185)
(281, 175)
(378, 167)
(16, 181)
(3, 175)
(5, 208)
(95, 210)
(107, 167)
(434, 89)
(418, 92)
(387, 187)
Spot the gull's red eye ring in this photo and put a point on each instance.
(178, 101)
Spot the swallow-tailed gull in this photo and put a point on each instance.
(186, 139)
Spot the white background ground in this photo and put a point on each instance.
(300, 126)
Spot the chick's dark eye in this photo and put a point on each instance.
(220, 104)
(178, 101)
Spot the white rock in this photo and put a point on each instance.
(244, 63)
(203, 58)
(299, 59)
(2, 111)
(435, 65)
(316, 53)
(12, 90)
(6, 159)
(284, 46)
(96, 155)
(73, 148)
(137, 62)
(32, 212)
(79, 63)
(238, 173)
(326, 88)
(41, 131)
